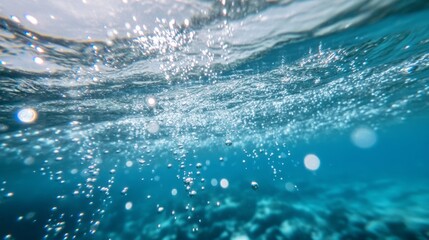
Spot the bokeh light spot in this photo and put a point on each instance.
(290, 187)
(29, 161)
(27, 115)
(363, 137)
(213, 182)
(151, 102)
(311, 162)
(128, 205)
(152, 127)
(3, 127)
(38, 60)
(129, 163)
(224, 183)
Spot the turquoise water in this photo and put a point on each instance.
(214, 120)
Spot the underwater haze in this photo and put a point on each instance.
(224, 119)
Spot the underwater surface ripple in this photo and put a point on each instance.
(210, 120)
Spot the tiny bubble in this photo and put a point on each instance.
(8, 237)
(254, 185)
(192, 193)
(160, 209)
(9, 195)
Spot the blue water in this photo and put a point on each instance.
(214, 120)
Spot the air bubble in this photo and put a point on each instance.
(8, 237)
(160, 209)
(186, 22)
(9, 195)
(254, 185)
(152, 127)
(94, 227)
(192, 193)
(29, 161)
(30, 215)
(128, 205)
(364, 137)
(290, 187)
(188, 181)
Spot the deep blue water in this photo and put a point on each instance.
(214, 120)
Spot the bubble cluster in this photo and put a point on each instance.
(153, 127)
